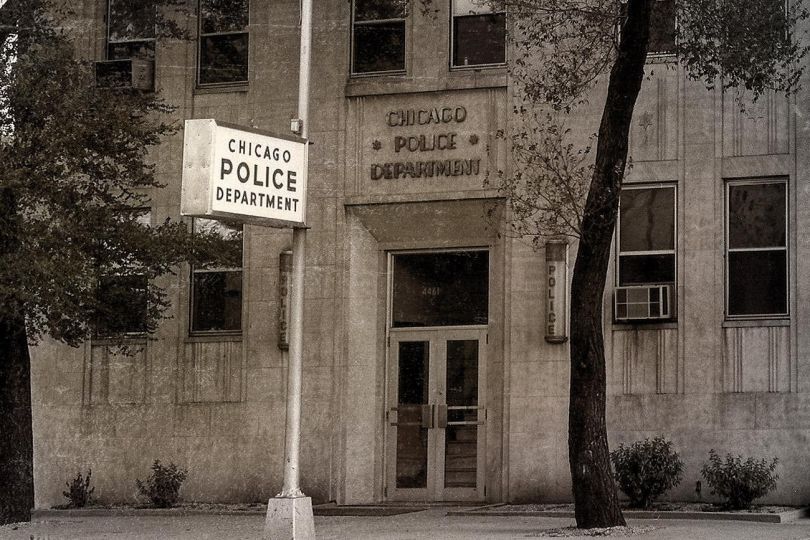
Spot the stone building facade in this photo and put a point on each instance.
(427, 372)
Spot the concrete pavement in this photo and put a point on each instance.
(431, 524)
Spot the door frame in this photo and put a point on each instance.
(390, 492)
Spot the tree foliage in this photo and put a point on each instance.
(77, 179)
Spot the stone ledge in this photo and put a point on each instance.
(761, 517)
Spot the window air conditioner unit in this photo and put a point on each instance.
(135, 73)
(642, 303)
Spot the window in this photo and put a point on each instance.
(223, 52)
(216, 293)
(122, 296)
(378, 36)
(662, 26)
(479, 34)
(130, 29)
(756, 249)
(646, 236)
(440, 289)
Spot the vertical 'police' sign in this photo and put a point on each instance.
(243, 173)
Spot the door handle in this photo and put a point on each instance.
(441, 416)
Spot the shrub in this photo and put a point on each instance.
(646, 469)
(163, 485)
(79, 492)
(739, 482)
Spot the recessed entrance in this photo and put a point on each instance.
(435, 428)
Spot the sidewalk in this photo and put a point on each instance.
(431, 524)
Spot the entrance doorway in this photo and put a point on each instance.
(435, 414)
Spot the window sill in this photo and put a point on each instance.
(457, 79)
(214, 337)
(221, 89)
(662, 58)
(644, 325)
(139, 338)
(756, 323)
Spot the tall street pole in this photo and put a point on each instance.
(289, 514)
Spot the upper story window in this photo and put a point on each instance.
(662, 26)
(479, 34)
(756, 248)
(646, 236)
(216, 292)
(378, 36)
(130, 29)
(224, 41)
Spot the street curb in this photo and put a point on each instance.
(775, 517)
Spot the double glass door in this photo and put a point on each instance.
(435, 415)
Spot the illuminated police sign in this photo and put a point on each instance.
(243, 173)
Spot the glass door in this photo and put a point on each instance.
(435, 417)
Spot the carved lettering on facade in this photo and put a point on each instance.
(420, 143)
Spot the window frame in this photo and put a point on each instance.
(201, 35)
(451, 47)
(355, 22)
(758, 181)
(673, 251)
(144, 215)
(191, 306)
(110, 41)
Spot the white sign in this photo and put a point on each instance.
(243, 173)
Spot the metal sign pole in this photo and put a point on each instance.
(289, 515)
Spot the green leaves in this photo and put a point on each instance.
(646, 470)
(76, 180)
(739, 482)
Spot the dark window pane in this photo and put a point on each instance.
(647, 220)
(217, 301)
(756, 215)
(462, 372)
(375, 10)
(461, 456)
(379, 47)
(441, 289)
(646, 269)
(413, 372)
(131, 49)
(662, 27)
(223, 15)
(412, 393)
(224, 58)
(122, 305)
(131, 19)
(479, 39)
(757, 283)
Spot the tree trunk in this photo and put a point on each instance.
(595, 498)
(16, 436)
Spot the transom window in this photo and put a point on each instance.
(216, 292)
(130, 29)
(756, 248)
(224, 41)
(378, 36)
(479, 34)
(646, 236)
(440, 289)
